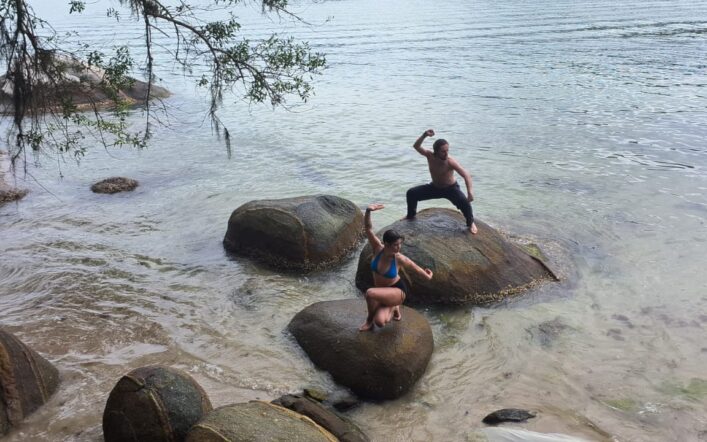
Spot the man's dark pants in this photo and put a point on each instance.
(428, 191)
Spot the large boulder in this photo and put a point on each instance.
(27, 380)
(154, 403)
(61, 78)
(380, 364)
(477, 269)
(257, 422)
(302, 233)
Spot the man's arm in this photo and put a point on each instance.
(467, 178)
(418, 144)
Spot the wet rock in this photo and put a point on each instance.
(78, 83)
(257, 422)
(616, 334)
(114, 185)
(624, 319)
(27, 381)
(380, 364)
(302, 233)
(154, 403)
(316, 394)
(8, 194)
(476, 269)
(508, 415)
(342, 428)
(547, 332)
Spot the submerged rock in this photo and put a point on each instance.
(343, 401)
(153, 403)
(114, 185)
(380, 364)
(302, 233)
(476, 269)
(257, 422)
(342, 428)
(27, 381)
(508, 415)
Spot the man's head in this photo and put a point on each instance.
(441, 149)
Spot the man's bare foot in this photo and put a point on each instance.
(397, 316)
(366, 326)
(473, 229)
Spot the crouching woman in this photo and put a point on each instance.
(389, 290)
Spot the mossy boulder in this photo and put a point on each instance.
(380, 364)
(27, 381)
(257, 422)
(114, 185)
(477, 269)
(302, 233)
(154, 403)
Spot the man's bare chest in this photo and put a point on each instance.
(438, 167)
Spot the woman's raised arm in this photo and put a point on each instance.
(372, 238)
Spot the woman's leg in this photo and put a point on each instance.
(396, 313)
(382, 316)
(378, 297)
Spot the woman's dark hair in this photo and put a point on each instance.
(439, 143)
(390, 236)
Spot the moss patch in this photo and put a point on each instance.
(695, 390)
(623, 404)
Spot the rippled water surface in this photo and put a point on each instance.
(584, 125)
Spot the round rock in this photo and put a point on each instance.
(27, 380)
(302, 233)
(380, 364)
(257, 422)
(477, 269)
(8, 194)
(114, 185)
(153, 403)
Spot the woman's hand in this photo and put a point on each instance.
(428, 272)
(375, 206)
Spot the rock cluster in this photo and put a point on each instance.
(78, 82)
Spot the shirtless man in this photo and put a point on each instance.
(443, 185)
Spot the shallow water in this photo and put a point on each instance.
(584, 128)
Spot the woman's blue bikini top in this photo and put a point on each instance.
(392, 271)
